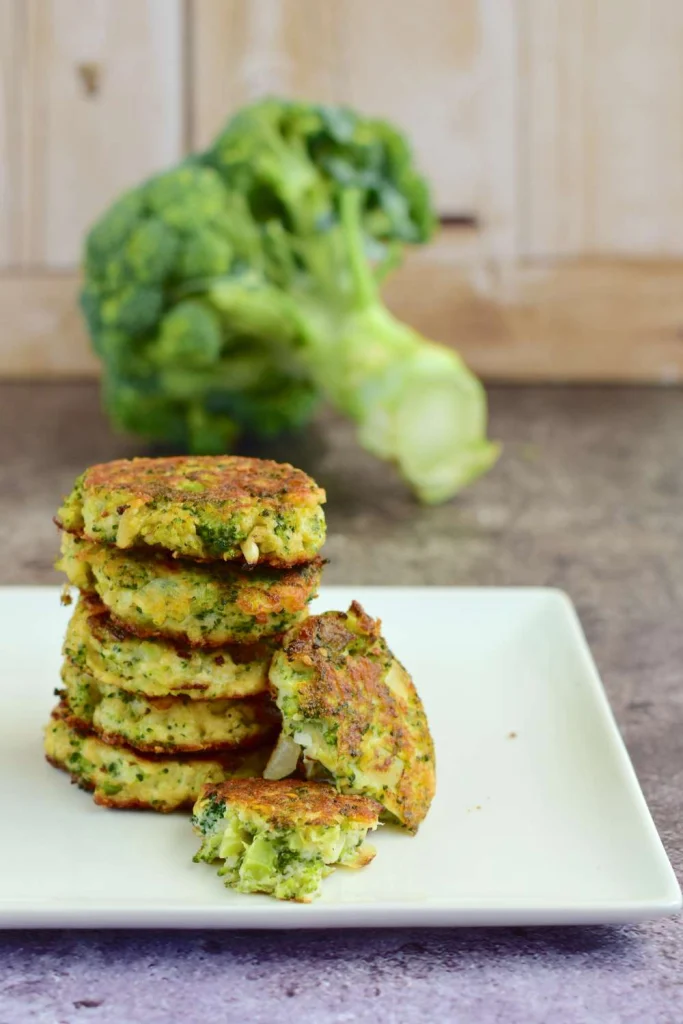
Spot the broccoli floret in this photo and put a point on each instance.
(136, 405)
(133, 310)
(212, 433)
(112, 232)
(213, 812)
(151, 252)
(208, 254)
(231, 292)
(187, 198)
(189, 336)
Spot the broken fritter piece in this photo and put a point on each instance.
(282, 838)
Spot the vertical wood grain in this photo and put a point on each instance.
(418, 64)
(102, 109)
(555, 83)
(9, 10)
(244, 49)
(637, 127)
(498, 204)
(415, 64)
(12, 38)
(601, 131)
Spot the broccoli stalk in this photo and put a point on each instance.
(231, 292)
(415, 402)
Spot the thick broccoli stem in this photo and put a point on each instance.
(415, 402)
(251, 306)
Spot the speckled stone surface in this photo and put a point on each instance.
(588, 497)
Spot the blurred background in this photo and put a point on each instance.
(551, 130)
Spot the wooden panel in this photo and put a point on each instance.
(416, 64)
(547, 320)
(637, 127)
(603, 320)
(243, 49)
(101, 108)
(419, 65)
(13, 92)
(11, 36)
(498, 205)
(554, 86)
(601, 126)
(41, 330)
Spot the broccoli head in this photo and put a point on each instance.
(231, 292)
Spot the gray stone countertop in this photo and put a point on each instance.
(588, 496)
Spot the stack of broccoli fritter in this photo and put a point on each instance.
(193, 673)
(189, 570)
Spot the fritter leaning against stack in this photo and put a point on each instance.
(351, 716)
(189, 572)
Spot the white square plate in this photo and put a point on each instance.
(538, 818)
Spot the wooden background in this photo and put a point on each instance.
(552, 131)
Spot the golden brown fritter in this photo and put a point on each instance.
(153, 595)
(163, 668)
(122, 778)
(203, 507)
(165, 725)
(354, 710)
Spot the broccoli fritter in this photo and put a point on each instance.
(224, 508)
(160, 668)
(151, 594)
(119, 777)
(354, 710)
(282, 838)
(165, 725)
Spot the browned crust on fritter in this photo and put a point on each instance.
(67, 715)
(156, 634)
(270, 728)
(291, 590)
(252, 743)
(139, 805)
(293, 802)
(111, 802)
(265, 558)
(104, 627)
(76, 779)
(232, 479)
(285, 589)
(349, 688)
(345, 688)
(316, 641)
(268, 718)
(228, 758)
(364, 855)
